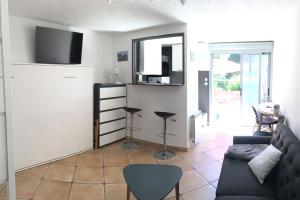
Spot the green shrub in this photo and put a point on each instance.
(226, 83)
(234, 85)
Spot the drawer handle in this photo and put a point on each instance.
(69, 76)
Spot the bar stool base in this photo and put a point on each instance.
(164, 155)
(130, 145)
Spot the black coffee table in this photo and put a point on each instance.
(151, 181)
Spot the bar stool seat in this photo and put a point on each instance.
(130, 144)
(164, 154)
(132, 110)
(164, 115)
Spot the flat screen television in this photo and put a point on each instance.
(54, 46)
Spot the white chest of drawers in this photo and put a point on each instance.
(109, 116)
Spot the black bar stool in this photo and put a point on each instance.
(130, 144)
(165, 153)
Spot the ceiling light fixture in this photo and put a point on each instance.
(183, 1)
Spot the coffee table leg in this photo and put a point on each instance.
(177, 191)
(128, 193)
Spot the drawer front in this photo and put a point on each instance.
(111, 115)
(112, 126)
(112, 103)
(109, 138)
(112, 92)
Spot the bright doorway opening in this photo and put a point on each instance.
(240, 79)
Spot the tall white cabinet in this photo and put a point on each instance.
(53, 111)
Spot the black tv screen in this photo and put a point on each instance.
(54, 46)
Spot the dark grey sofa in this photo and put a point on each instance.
(238, 183)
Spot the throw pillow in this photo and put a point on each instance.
(264, 162)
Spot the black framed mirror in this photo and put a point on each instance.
(158, 60)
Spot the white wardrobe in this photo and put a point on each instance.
(53, 112)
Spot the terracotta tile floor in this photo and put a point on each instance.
(97, 175)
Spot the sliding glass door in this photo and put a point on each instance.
(255, 82)
(240, 74)
(250, 67)
(7, 171)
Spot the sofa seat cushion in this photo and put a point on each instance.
(243, 198)
(236, 179)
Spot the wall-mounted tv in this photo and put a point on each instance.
(54, 46)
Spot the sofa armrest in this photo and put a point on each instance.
(252, 140)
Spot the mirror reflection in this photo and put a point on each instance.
(159, 60)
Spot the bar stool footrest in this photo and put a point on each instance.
(167, 134)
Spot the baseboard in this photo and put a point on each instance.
(53, 160)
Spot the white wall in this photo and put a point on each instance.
(154, 98)
(96, 52)
(192, 79)
(286, 77)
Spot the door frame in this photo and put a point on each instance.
(7, 79)
(242, 52)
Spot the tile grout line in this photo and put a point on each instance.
(72, 182)
(42, 178)
(104, 184)
(103, 157)
(208, 184)
(70, 189)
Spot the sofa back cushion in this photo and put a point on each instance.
(287, 172)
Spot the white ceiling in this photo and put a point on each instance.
(127, 15)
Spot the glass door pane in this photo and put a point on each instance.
(265, 77)
(226, 96)
(250, 85)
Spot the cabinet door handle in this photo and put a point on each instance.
(69, 76)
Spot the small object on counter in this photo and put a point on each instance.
(116, 74)
(276, 108)
(140, 77)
